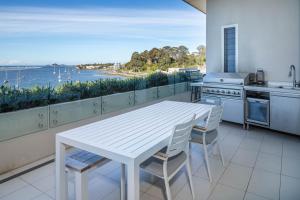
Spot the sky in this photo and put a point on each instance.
(38, 32)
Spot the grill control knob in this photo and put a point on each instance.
(234, 93)
(223, 91)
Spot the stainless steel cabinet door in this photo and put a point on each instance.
(233, 110)
(285, 113)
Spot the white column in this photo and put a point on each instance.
(61, 181)
(133, 178)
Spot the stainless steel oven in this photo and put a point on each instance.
(257, 108)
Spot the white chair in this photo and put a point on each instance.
(206, 133)
(166, 163)
(80, 163)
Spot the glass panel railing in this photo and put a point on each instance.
(116, 102)
(23, 122)
(74, 101)
(145, 90)
(180, 83)
(117, 94)
(64, 113)
(165, 85)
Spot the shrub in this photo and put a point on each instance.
(12, 99)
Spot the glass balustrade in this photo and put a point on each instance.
(25, 111)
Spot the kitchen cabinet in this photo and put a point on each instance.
(285, 112)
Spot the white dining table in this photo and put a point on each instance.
(129, 139)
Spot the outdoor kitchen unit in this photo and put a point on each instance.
(228, 88)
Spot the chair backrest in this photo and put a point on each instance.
(214, 118)
(180, 137)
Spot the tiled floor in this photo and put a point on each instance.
(260, 165)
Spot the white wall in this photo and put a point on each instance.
(269, 35)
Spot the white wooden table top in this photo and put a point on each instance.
(132, 134)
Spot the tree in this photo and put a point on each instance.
(165, 58)
(202, 53)
(202, 50)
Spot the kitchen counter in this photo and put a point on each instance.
(273, 89)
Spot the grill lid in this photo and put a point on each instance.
(226, 78)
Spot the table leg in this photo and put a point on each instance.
(133, 178)
(123, 180)
(61, 179)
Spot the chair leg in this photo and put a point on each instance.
(189, 171)
(81, 186)
(221, 153)
(66, 184)
(123, 190)
(207, 162)
(168, 190)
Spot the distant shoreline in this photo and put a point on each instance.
(124, 74)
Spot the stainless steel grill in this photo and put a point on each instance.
(228, 87)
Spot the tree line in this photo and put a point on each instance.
(166, 57)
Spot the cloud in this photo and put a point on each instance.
(111, 22)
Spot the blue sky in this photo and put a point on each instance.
(36, 32)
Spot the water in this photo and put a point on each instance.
(25, 77)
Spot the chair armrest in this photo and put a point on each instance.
(161, 156)
(197, 128)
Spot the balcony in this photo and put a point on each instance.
(260, 163)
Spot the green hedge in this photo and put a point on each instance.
(12, 99)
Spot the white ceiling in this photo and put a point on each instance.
(198, 4)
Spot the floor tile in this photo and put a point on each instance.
(245, 157)
(39, 173)
(101, 186)
(265, 184)
(148, 197)
(290, 188)
(268, 162)
(176, 184)
(251, 144)
(291, 148)
(236, 176)
(291, 166)
(202, 189)
(256, 135)
(242, 149)
(251, 196)
(71, 191)
(42, 197)
(222, 192)
(11, 186)
(271, 147)
(45, 184)
(216, 168)
(25, 193)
